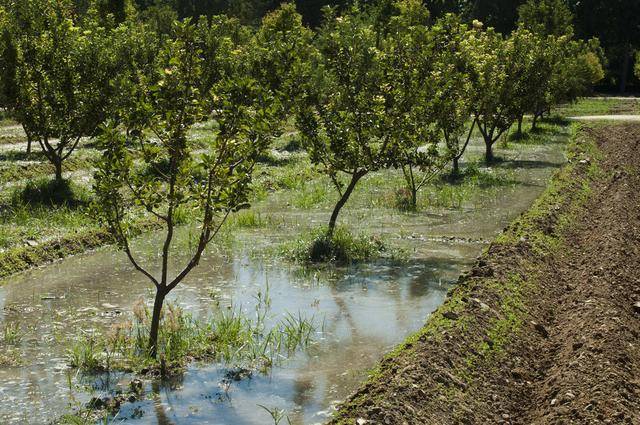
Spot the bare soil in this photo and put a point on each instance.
(546, 327)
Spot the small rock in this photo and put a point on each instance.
(505, 416)
(483, 306)
(362, 421)
(636, 307)
(136, 386)
(450, 315)
(32, 243)
(541, 329)
(554, 401)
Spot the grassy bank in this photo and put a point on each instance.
(484, 312)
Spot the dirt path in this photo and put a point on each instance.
(627, 118)
(545, 329)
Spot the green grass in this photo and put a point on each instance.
(229, 336)
(315, 247)
(600, 106)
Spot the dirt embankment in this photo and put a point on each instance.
(545, 329)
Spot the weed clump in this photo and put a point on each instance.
(403, 200)
(228, 336)
(342, 248)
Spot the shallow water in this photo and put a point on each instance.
(361, 312)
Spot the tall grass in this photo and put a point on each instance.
(342, 248)
(228, 336)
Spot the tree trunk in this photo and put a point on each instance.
(343, 200)
(534, 124)
(414, 198)
(26, 132)
(456, 166)
(155, 322)
(520, 118)
(488, 155)
(58, 166)
(624, 72)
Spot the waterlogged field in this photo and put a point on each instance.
(356, 313)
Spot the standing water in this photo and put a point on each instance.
(360, 312)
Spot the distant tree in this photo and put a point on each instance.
(8, 62)
(110, 13)
(136, 47)
(282, 53)
(157, 168)
(530, 72)
(546, 17)
(498, 14)
(221, 39)
(412, 85)
(490, 66)
(62, 78)
(451, 103)
(160, 18)
(342, 116)
(637, 66)
(615, 24)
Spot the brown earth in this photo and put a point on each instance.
(545, 329)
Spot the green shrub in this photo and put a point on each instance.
(403, 200)
(343, 248)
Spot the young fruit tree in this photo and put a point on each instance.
(155, 166)
(489, 67)
(530, 72)
(282, 52)
(451, 98)
(62, 74)
(343, 114)
(410, 90)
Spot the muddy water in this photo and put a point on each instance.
(361, 312)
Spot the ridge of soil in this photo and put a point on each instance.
(22, 258)
(545, 328)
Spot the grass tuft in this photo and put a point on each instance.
(342, 248)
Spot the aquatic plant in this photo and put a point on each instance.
(11, 333)
(342, 247)
(229, 336)
(277, 415)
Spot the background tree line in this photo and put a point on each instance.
(616, 23)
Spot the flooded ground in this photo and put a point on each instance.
(360, 312)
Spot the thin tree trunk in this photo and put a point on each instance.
(58, 166)
(534, 124)
(520, 118)
(456, 166)
(29, 140)
(411, 182)
(155, 322)
(343, 200)
(488, 155)
(624, 74)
